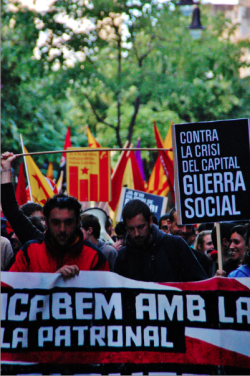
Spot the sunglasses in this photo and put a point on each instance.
(62, 199)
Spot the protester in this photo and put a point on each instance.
(154, 219)
(237, 249)
(6, 252)
(120, 231)
(109, 226)
(225, 233)
(163, 223)
(244, 269)
(20, 223)
(151, 255)
(188, 234)
(185, 231)
(63, 249)
(204, 227)
(204, 243)
(32, 209)
(91, 229)
(38, 222)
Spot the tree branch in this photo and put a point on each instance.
(96, 114)
(132, 122)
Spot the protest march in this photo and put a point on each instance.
(106, 273)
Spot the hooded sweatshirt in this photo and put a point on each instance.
(166, 258)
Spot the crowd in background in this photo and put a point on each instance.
(60, 237)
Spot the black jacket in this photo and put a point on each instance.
(167, 258)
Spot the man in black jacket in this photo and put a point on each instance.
(152, 256)
(186, 233)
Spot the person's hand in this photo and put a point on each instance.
(220, 273)
(6, 160)
(118, 244)
(68, 271)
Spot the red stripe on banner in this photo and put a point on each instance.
(104, 176)
(93, 187)
(198, 352)
(84, 190)
(216, 283)
(3, 284)
(73, 181)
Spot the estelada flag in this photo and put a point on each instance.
(88, 175)
(40, 189)
(158, 182)
(166, 162)
(93, 143)
(91, 139)
(21, 195)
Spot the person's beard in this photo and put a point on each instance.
(68, 242)
(143, 240)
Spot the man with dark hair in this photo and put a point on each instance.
(109, 225)
(163, 223)
(151, 255)
(63, 249)
(32, 209)
(185, 231)
(225, 233)
(120, 230)
(91, 229)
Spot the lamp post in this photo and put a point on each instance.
(196, 26)
(186, 7)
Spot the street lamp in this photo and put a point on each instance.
(186, 7)
(196, 26)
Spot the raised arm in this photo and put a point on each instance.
(21, 224)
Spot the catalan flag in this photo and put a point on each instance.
(166, 162)
(40, 189)
(158, 183)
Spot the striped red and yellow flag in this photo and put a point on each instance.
(89, 175)
(158, 183)
(40, 189)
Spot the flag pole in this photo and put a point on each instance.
(90, 149)
(26, 168)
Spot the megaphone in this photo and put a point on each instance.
(102, 216)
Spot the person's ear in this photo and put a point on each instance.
(150, 221)
(169, 223)
(90, 230)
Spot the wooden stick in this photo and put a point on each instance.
(219, 250)
(91, 149)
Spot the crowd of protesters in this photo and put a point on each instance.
(60, 238)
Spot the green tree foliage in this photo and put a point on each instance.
(118, 66)
(34, 101)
